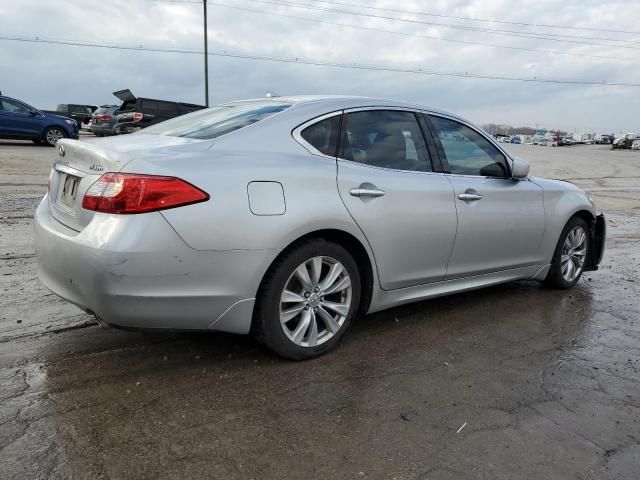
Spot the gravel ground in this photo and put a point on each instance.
(510, 382)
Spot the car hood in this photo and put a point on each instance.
(55, 116)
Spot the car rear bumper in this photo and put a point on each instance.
(105, 129)
(134, 271)
(128, 127)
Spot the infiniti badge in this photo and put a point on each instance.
(62, 151)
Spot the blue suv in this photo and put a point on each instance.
(19, 121)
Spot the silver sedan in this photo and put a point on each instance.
(289, 217)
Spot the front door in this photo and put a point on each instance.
(405, 210)
(16, 119)
(500, 220)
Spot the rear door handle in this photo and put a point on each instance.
(366, 192)
(470, 197)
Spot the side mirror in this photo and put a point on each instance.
(34, 112)
(520, 168)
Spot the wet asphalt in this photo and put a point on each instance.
(511, 382)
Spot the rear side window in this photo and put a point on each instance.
(214, 122)
(323, 135)
(468, 152)
(385, 138)
(105, 110)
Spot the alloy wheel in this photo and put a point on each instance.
(54, 135)
(574, 250)
(315, 301)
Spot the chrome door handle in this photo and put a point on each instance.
(470, 197)
(366, 192)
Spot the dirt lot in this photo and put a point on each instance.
(512, 382)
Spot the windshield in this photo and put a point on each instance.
(214, 122)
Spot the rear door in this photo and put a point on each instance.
(404, 208)
(500, 220)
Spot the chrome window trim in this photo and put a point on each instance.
(480, 132)
(387, 169)
(297, 134)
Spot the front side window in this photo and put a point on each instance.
(13, 106)
(468, 152)
(323, 135)
(385, 138)
(214, 122)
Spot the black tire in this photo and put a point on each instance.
(46, 137)
(555, 278)
(267, 328)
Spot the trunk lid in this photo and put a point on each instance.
(80, 163)
(125, 95)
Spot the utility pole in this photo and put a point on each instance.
(206, 58)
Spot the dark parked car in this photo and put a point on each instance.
(80, 113)
(20, 121)
(104, 119)
(136, 113)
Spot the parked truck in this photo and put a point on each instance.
(624, 142)
(136, 112)
(80, 113)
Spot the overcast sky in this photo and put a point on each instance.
(45, 75)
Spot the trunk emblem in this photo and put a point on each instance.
(96, 166)
(62, 151)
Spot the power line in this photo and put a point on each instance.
(304, 61)
(287, 3)
(417, 35)
(475, 19)
(395, 32)
(333, 4)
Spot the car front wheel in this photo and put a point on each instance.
(52, 135)
(308, 300)
(570, 255)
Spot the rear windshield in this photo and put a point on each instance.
(104, 110)
(214, 122)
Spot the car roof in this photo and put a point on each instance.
(337, 102)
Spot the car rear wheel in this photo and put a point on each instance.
(308, 300)
(570, 255)
(52, 135)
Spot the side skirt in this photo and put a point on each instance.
(387, 299)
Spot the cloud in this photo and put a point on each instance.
(45, 75)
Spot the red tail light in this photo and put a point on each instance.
(105, 118)
(137, 117)
(128, 193)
